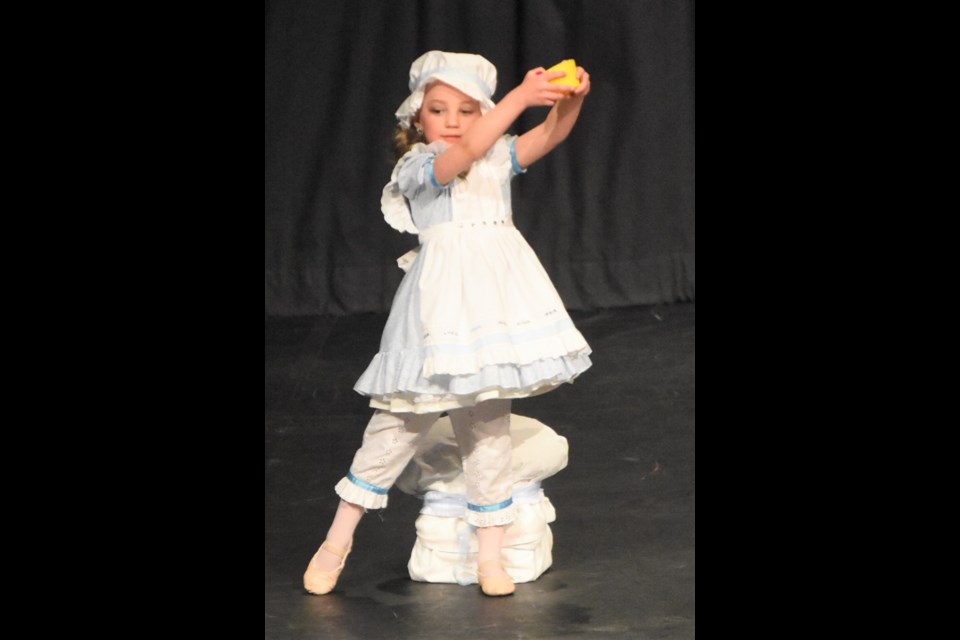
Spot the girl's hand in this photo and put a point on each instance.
(584, 87)
(537, 90)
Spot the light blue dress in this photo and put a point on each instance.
(476, 316)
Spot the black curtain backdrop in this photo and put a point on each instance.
(610, 212)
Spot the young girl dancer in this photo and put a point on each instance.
(476, 321)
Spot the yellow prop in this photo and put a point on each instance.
(570, 68)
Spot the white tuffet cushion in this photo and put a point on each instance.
(446, 546)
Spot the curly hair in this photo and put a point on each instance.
(403, 141)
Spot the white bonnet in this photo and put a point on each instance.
(472, 74)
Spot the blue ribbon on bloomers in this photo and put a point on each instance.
(454, 505)
(490, 507)
(366, 485)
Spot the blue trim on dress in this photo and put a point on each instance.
(366, 485)
(513, 157)
(492, 507)
(564, 324)
(433, 178)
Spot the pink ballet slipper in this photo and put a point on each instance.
(493, 580)
(318, 582)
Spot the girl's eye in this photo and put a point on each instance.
(467, 112)
(435, 111)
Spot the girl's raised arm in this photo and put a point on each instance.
(535, 90)
(543, 138)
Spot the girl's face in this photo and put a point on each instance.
(446, 113)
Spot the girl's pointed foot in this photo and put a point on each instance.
(319, 582)
(494, 581)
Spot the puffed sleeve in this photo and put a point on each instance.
(412, 174)
(416, 169)
(503, 157)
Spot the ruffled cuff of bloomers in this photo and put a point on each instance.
(496, 518)
(357, 495)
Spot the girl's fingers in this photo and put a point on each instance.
(584, 79)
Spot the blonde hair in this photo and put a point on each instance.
(403, 141)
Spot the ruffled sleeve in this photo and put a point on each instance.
(412, 174)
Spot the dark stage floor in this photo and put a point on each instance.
(624, 552)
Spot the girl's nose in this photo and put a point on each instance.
(453, 119)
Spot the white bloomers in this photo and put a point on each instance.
(483, 435)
